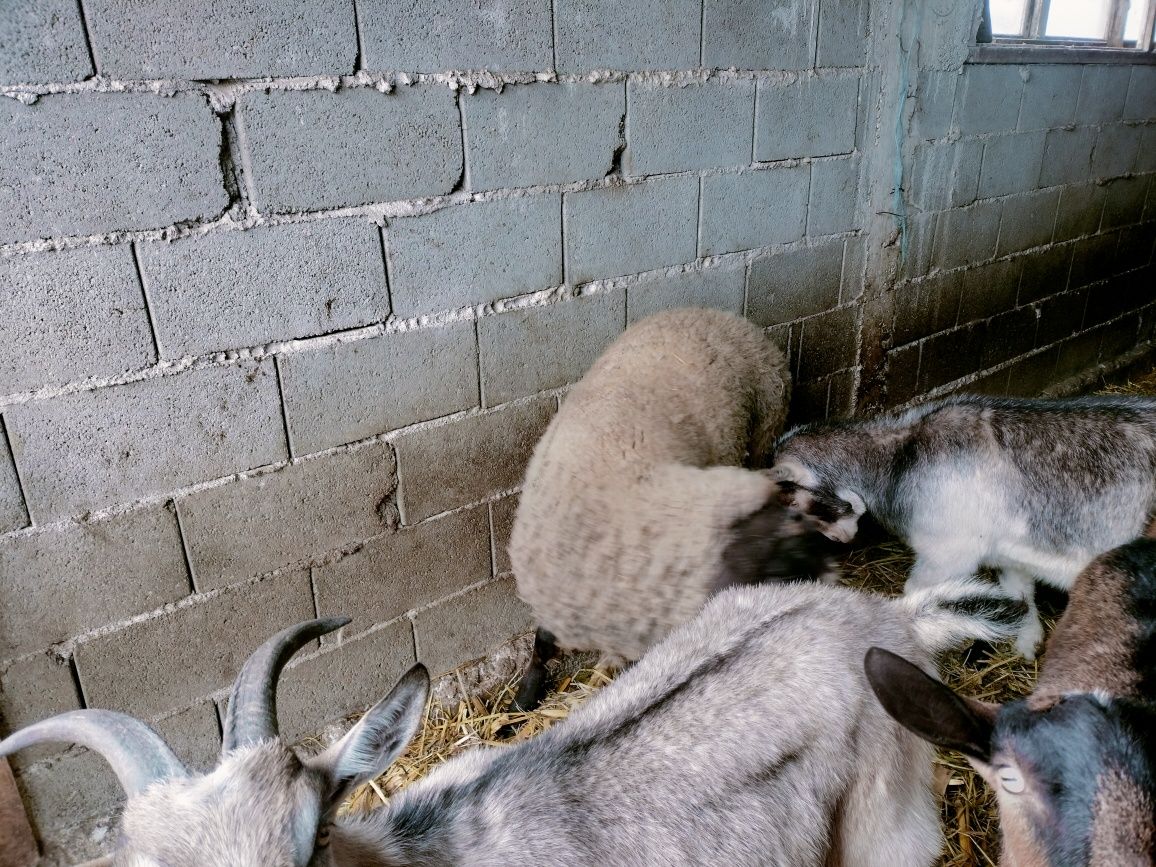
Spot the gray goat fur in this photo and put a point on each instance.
(747, 737)
(1033, 488)
(1073, 765)
(628, 511)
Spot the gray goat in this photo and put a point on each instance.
(748, 736)
(1074, 764)
(1033, 488)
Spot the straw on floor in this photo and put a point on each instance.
(994, 674)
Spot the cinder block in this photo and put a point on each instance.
(1093, 259)
(13, 515)
(946, 174)
(1146, 159)
(262, 523)
(947, 357)
(350, 391)
(1030, 376)
(502, 514)
(935, 102)
(966, 235)
(1124, 202)
(314, 149)
(43, 41)
(1067, 156)
(926, 307)
(842, 33)
(605, 34)
(1115, 152)
(232, 39)
(1119, 337)
(1081, 208)
(722, 288)
(920, 242)
(470, 459)
(470, 626)
(435, 35)
(1102, 93)
(682, 128)
(530, 350)
(750, 34)
(989, 99)
(474, 253)
(1110, 300)
(98, 327)
(1078, 354)
(902, 374)
(628, 229)
(58, 583)
(1045, 272)
(989, 289)
(1141, 101)
(828, 342)
(1028, 221)
(1060, 316)
(1050, 95)
(88, 450)
(154, 665)
(64, 791)
(542, 133)
(408, 569)
(229, 290)
(350, 677)
(32, 689)
(81, 163)
(754, 209)
(1011, 164)
(834, 197)
(798, 283)
(811, 117)
(1135, 249)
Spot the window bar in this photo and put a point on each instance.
(1146, 40)
(1117, 17)
(1037, 18)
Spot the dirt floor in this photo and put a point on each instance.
(458, 721)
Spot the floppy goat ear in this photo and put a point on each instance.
(925, 706)
(378, 738)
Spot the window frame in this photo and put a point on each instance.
(1031, 33)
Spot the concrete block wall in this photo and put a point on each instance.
(294, 289)
(1030, 229)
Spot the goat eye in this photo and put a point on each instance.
(1011, 780)
(323, 835)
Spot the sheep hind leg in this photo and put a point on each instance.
(534, 684)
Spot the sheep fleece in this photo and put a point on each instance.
(630, 495)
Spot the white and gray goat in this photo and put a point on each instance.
(1033, 488)
(1073, 765)
(749, 736)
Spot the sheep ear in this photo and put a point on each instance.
(925, 706)
(378, 738)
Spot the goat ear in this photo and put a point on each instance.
(923, 705)
(378, 738)
(789, 470)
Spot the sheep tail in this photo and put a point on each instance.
(947, 614)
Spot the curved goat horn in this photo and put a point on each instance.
(136, 753)
(252, 712)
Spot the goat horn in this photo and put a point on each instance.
(252, 715)
(136, 753)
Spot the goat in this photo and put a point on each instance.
(748, 736)
(1033, 488)
(643, 497)
(1073, 765)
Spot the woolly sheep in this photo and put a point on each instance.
(1034, 488)
(1074, 764)
(747, 737)
(637, 502)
